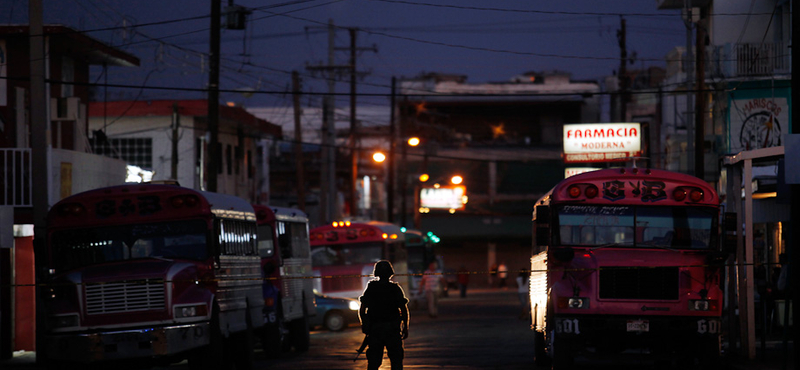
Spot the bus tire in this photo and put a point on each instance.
(271, 341)
(562, 357)
(299, 334)
(212, 356)
(539, 354)
(243, 346)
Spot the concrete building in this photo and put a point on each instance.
(72, 167)
(167, 139)
(745, 90)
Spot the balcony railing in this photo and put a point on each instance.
(15, 177)
(749, 60)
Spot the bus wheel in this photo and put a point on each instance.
(539, 355)
(271, 340)
(243, 346)
(211, 356)
(562, 354)
(299, 334)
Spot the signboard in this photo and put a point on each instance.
(572, 171)
(601, 142)
(443, 197)
(758, 122)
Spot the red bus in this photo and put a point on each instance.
(626, 260)
(344, 251)
(156, 272)
(285, 252)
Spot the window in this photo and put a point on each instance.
(237, 238)
(266, 245)
(134, 151)
(171, 240)
(665, 227)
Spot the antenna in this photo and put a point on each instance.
(633, 160)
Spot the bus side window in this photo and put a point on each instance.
(285, 239)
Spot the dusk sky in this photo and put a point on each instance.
(488, 41)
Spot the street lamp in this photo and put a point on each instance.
(378, 157)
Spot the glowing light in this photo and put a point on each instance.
(413, 141)
(452, 210)
(379, 157)
(385, 235)
(457, 179)
(424, 177)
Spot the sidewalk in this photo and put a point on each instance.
(773, 354)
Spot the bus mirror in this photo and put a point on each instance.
(564, 254)
(541, 214)
(542, 235)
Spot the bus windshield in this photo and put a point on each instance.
(346, 254)
(169, 240)
(636, 226)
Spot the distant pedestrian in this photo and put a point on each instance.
(522, 292)
(502, 274)
(432, 281)
(463, 280)
(384, 318)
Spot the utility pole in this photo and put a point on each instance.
(176, 124)
(622, 76)
(40, 135)
(331, 71)
(794, 241)
(354, 142)
(700, 99)
(214, 156)
(688, 68)
(298, 142)
(392, 159)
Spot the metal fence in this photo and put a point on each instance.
(16, 177)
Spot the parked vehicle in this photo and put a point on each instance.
(348, 250)
(156, 272)
(286, 263)
(624, 259)
(335, 314)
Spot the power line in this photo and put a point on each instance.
(506, 10)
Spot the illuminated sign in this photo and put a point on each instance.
(572, 171)
(443, 197)
(601, 142)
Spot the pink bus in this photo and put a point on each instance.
(344, 253)
(153, 272)
(626, 261)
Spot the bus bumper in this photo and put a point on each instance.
(126, 344)
(652, 335)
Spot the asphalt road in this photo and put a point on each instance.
(481, 331)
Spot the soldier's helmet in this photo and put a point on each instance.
(383, 269)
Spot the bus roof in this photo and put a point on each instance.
(129, 203)
(356, 232)
(268, 214)
(630, 186)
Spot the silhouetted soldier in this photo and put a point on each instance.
(384, 317)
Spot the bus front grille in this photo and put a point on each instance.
(636, 282)
(125, 296)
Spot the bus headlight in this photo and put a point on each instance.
(702, 304)
(573, 302)
(354, 305)
(190, 311)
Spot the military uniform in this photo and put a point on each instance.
(383, 309)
